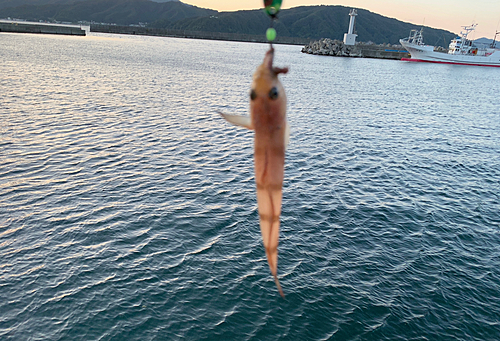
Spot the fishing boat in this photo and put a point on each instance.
(461, 50)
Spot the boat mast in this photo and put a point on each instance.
(466, 31)
(416, 37)
(494, 40)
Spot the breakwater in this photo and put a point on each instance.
(329, 47)
(163, 32)
(24, 27)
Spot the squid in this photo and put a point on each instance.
(272, 133)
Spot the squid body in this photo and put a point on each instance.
(268, 120)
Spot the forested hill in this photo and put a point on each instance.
(313, 22)
(121, 12)
(18, 3)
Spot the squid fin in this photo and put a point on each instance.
(243, 121)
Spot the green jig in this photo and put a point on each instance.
(272, 7)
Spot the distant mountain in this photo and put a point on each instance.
(485, 42)
(310, 22)
(122, 12)
(18, 3)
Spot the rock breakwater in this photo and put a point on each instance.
(336, 48)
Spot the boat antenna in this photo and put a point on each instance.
(272, 7)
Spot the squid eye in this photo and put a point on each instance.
(273, 93)
(253, 95)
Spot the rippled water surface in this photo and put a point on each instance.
(128, 209)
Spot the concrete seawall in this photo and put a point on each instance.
(21, 27)
(146, 31)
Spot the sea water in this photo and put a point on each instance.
(128, 208)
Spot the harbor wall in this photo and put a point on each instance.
(325, 47)
(161, 32)
(21, 27)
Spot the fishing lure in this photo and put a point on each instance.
(272, 7)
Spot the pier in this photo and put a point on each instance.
(26, 27)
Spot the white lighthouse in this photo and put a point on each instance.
(350, 37)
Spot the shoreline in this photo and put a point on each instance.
(322, 47)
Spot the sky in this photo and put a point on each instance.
(445, 14)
